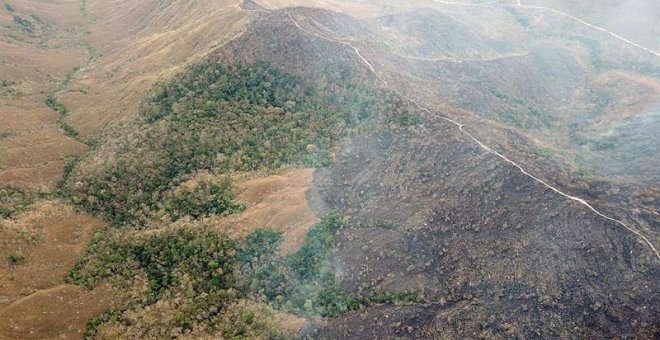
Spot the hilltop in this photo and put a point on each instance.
(278, 169)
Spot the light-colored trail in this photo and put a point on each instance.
(357, 51)
(598, 28)
(465, 4)
(466, 60)
(555, 11)
(482, 145)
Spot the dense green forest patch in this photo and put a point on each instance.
(219, 119)
(304, 282)
(222, 118)
(194, 266)
(195, 253)
(206, 273)
(192, 269)
(205, 199)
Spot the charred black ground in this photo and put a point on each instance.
(426, 234)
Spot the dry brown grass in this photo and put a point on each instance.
(636, 94)
(32, 148)
(34, 301)
(34, 159)
(60, 312)
(50, 238)
(141, 42)
(278, 202)
(136, 43)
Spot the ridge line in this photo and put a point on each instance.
(487, 148)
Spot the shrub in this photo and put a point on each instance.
(204, 200)
(16, 258)
(13, 201)
(385, 224)
(24, 24)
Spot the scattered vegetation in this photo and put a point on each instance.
(594, 50)
(543, 152)
(24, 24)
(519, 17)
(13, 201)
(59, 107)
(584, 172)
(91, 329)
(69, 166)
(384, 224)
(9, 7)
(8, 88)
(519, 113)
(38, 19)
(69, 77)
(83, 8)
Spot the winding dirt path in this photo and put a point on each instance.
(485, 147)
(520, 4)
(598, 28)
(482, 145)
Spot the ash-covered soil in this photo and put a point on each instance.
(492, 252)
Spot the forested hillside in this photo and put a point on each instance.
(281, 169)
(223, 116)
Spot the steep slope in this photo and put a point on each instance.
(44, 47)
(484, 265)
(96, 59)
(449, 142)
(548, 85)
(140, 43)
(272, 98)
(37, 248)
(573, 297)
